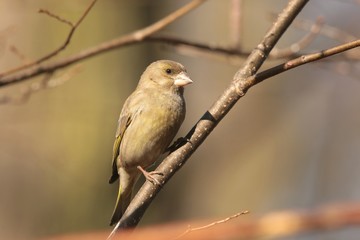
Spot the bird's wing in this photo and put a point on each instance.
(131, 109)
(124, 121)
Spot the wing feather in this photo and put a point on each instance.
(124, 121)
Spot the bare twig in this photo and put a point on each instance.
(189, 230)
(212, 117)
(57, 17)
(60, 48)
(135, 37)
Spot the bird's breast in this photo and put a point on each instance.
(151, 132)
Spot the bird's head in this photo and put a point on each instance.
(165, 74)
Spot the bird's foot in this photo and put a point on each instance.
(150, 176)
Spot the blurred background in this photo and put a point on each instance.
(292, 142)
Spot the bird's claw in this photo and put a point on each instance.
(150, 176)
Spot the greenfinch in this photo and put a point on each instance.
(149, 120)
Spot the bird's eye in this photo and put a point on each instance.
(168, 71)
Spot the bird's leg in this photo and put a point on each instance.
(178, 143)
(150, 175)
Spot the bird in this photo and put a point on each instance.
(149, 120)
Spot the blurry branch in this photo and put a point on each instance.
(236, 8)
(19, 54)
(332, 33)
(48, 81)
(237, 89)
(197, 46)
(272, 225)
(60, 48)
(222, 221)
(4, 34)
(191, 48)
(26, 91)
(326, 30)
(296, 47)
(269, 226)
(135, 37)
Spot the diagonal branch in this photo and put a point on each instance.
(134, 37)
(57, 17)
(212, 117)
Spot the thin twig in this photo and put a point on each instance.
(57, 17)
(60, 48)
(211, 224)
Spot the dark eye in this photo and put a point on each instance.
(168, 71)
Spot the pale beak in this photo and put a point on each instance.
(182, 79)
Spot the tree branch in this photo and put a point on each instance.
(212, 117)
(135, 37)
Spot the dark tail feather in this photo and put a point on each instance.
(113, 178)
(123, 199)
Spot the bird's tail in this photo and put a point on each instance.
(127, 182)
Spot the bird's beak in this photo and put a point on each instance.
(182, 79)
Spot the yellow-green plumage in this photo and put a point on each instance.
(148, 122)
